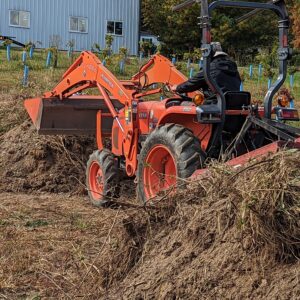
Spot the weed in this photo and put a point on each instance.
(36, 223)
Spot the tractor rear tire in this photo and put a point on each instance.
(170, 153)
(102, 178)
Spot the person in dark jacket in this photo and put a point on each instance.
(223, 70)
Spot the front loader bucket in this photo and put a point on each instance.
(71, 116)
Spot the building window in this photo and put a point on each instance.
(115, 28)
(19, 18)
(78, 24)
(148, 40)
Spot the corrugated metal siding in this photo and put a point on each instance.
(51, 17)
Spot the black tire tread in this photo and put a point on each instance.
(185, 147)
(111, 176)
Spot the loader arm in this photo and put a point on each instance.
(88, 72)
(159, 69)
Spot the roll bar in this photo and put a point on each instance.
(284, 52)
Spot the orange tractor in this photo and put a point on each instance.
(163, 141)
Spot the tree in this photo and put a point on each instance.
(295, 13)
(243, 40)
(180, 31)
(177, 30)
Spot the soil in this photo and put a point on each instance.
(33, 163)
(232, 235)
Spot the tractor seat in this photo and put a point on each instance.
(237, 100)
(211, 112)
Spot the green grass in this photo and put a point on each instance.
(42, 79)
(258, 86)
(36, 223)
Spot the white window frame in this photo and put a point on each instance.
(79, 18)
(115, 21)
(19, 26)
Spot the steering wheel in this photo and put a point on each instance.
(166, 90)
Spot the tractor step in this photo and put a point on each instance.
(208, 114)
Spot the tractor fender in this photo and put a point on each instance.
(187, 117)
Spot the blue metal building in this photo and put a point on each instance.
(84, 21)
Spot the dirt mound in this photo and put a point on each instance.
(31, 163)
(234, 234)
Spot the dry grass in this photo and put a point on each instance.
(60, 247)
(264, 200)
(54, 246)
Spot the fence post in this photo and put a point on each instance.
(141, 56)
(242, 86)
(259, 70)
(292, 81)
(24, 56)
(8, 49)
(25, 76)
(48, 61)
(104, 62)
(70, 52)
(251, 71)
(188, 63)
(122, 66)
(31, 51)
(191, 72)
(173, 60)
(200, 64)
(292, 103)
(269, 83)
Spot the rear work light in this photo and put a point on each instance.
(286, 114)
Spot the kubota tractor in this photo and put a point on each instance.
(160, 142)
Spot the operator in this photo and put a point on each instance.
(223, 70)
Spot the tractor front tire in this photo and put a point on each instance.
(102, 178)
(170, 153)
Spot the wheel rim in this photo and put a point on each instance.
(159, 171)
(96, 181)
